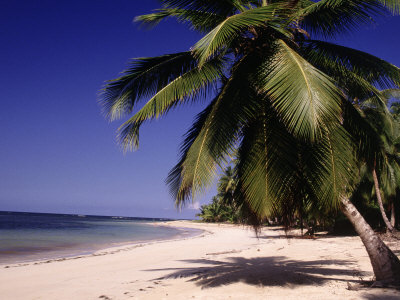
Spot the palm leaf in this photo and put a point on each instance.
(277, 174)
(180, 90)
(392, 5)
(213, 136)
(355, 86)
(304, 97)
(180, 192)
(331, 166)
(379, 102)
(202, 21)
(332, 17)
(144, 77)
(391, 94)
(266, 163)
(373, 69)
(366, 140)
(233, 26)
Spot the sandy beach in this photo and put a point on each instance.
(225, 262)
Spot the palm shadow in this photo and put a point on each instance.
(265, 271)
(381, 297)
(316, 236)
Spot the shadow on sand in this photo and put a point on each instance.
(381, 297)
(289, 235)
(265, 271)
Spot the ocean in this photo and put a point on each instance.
(28, 237)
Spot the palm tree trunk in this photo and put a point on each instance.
(385, 263)
(301, 222)
(392, 214)
(379, 197)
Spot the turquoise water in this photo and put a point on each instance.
(30, 236)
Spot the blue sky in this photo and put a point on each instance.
(57, 152)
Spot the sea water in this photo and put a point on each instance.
(35, 236)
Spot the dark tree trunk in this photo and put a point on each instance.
(379, 197)
(301, 223)
(385, 263)
(392, 214)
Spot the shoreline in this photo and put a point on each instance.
(224, 262)
(110, 249)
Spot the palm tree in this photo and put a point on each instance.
(224, 207)
(227, 186)
(216, 211)
(239, 210)
(387, 128)
(282, 99)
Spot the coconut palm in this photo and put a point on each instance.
(388, 129)
(240, 211)
(216, 211)
(225, 207)
(284, 100)
(227, 186)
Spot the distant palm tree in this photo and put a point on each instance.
(284, 100)
(216, 211)
(227, 186)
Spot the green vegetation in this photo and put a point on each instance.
(217, 211)
(225, 207)
(286, 102)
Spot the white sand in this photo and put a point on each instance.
(229, 262)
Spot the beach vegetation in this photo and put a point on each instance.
(225, 206)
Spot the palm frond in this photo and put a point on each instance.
(277, 173)
(332, 17)
(181, 193)
(214, 134)
(389, 94)
(233, 26)
(180, 90)
(394, 95)
(379, 103)
(366, 140)
(354, 86)
(304, 97)
(331, 166)
(392, 5)
(266, 163)
(202, 21)
(373, 69)
(144, 77)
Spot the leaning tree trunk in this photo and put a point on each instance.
(379, 197)
(385, 263)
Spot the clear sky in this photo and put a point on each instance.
(57, 152)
